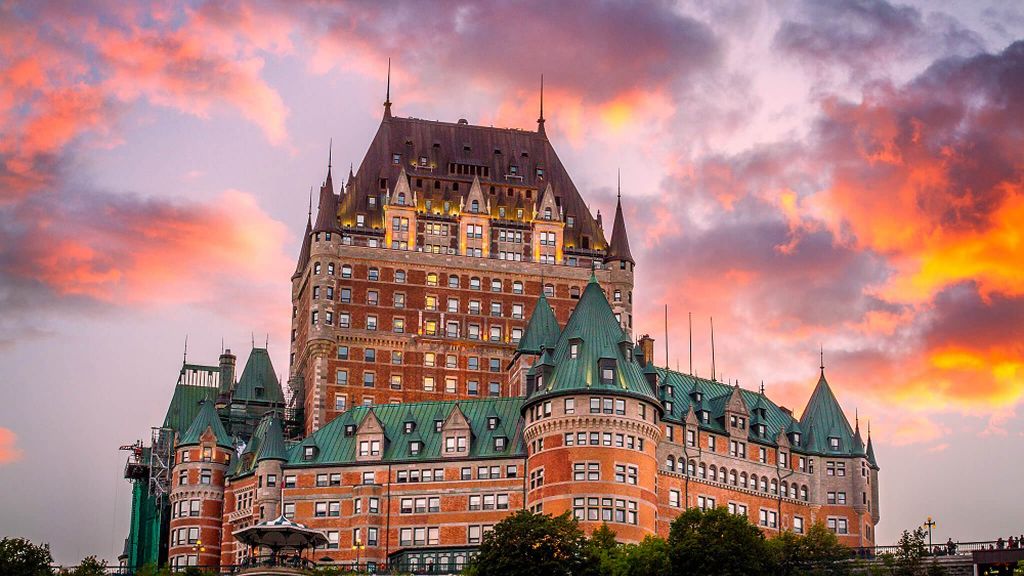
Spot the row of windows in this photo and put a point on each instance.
(595, 509)
(741, 479)
(606, 439)
(598, 405)
(183, 508)
(452, 328)
(395, 382)
(205, 477)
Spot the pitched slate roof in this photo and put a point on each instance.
(272, 443)
(300, 266)
(444, 144)
(258, 373)
(542, 331)
(337, 447)
(599, 336)
(206, 419)
(327, 208)
(618, 249)
(823, 418)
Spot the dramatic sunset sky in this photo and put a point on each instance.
(849, 175)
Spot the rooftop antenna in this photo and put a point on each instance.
(821, 352)
(618, 173)
(666, 337)
(267, 345)
(253, 336)
(221, 344)
(184, 354)
(762, 387)
(540, 121)
(713, 350)
(690, 322)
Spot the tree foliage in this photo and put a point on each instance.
(529, 544)
(19, 557)
(818, 553)
(716, 542)
(89, 566)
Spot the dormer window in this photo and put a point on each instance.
(401, 199)
(760, 429)
(437, 425)
(668, 391)
(574, 349)
(409, 427)
(796, 437)
(607, 372)
(396, 158)
(309, 453)
(833, 443)
(513, 170)
(540, 172)
(350, 429)
(474, 206)
(697, 396)
(492, 422)
(415, 447)
(500, 442)
(207, 453)
(547, 213)
(704, 416)
(423, 160)
(668, 407)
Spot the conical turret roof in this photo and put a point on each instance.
(592, 327)
(258, 381)
(327, 208)
(206, 419)
(542, 331)
(300, 266)
(618, 248)
(272, 446)
(823, 418)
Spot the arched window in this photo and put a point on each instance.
(549, 290)
(346, 271)
(792, 491)
(743, 480)
(785, 488)
(691, 467)
(316, 268)
(330, 268)
(517, 287)
(753, 481)
(547, 213)
(401, 199)
(803, 493)
(670, 463)
(775, 486)
(703, 470)
(732, 477)
(432, 279)
(764, 483)
(453, 281)
(574, 292)
(474, 206)
(713, 473)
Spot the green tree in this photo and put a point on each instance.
(602, 552)
(716, 542)
(531, 544)
(648, 558)
(19, 557)
(907, 559)
(818, 553)
(89, 566)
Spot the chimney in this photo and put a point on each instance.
(227, 371)
(647, 347)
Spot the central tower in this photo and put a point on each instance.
(416, 279)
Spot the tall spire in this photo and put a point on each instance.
(540, 121)
(387, 94)
(821, 353)
(304, 251)
(714, 375)
(618, 248)
(329, 182)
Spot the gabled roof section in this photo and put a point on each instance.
(547, 202)
(206, 419)
(618, 249)
(402, 187)
(337, 447)
(542, 331)
(593, 329)
(476, 193)
(448, 144)
(823, 417)
(258, 382)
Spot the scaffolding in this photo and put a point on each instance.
(161, 455)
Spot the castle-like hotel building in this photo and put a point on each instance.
(461, 348)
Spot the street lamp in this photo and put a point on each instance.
(198, 548)
(929, 525)
(358, 547)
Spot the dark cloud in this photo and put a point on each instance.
(867, 34)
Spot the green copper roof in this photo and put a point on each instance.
(272, 447)
(871, 452)
(185, 402)
(338, 447)
(597, 335)
(206, 419)
(823, 418)
(542, 331)
(258, 382)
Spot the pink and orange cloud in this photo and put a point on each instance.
(9, 451)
